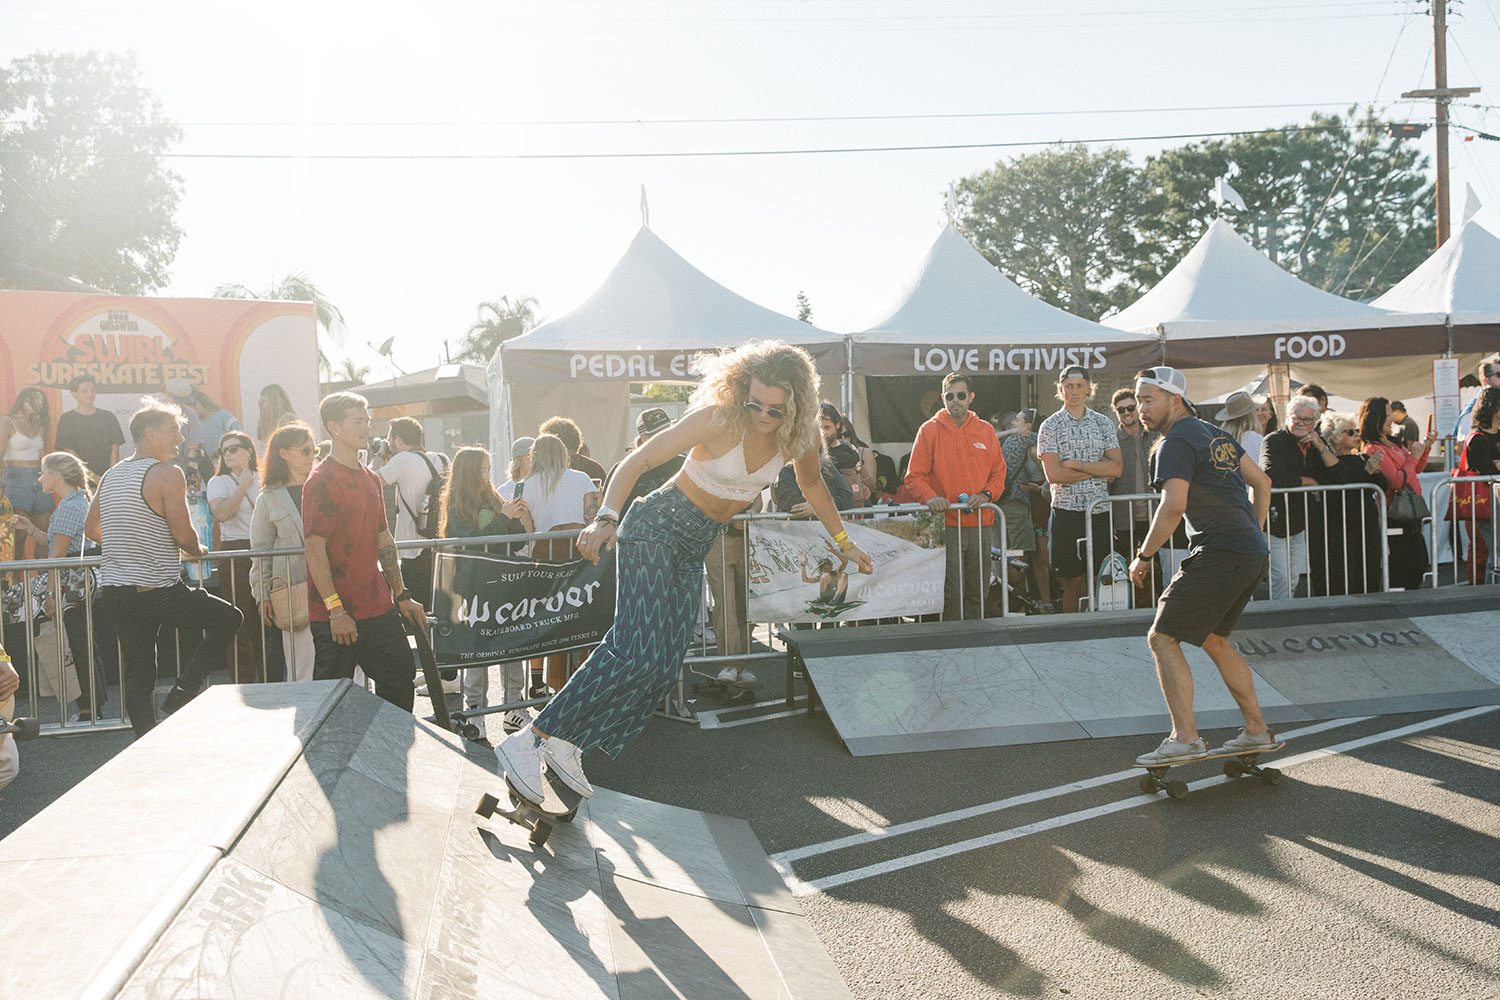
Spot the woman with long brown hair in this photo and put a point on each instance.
(231, 499)
(755, 410)
(471, 508)
(277, 524)
(1399, 466)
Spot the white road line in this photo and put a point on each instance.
(801, 888)
(784, 859)
(710, 719)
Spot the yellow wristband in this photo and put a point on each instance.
(842, 541)
(333, 602)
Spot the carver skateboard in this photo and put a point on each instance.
(1237, 763)
(431, 674)
(560, 805)
(1112, 587)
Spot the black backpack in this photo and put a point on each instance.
(427, 520)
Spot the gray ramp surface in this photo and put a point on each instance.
(955, 685)
(310, 840)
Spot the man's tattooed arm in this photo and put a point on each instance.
(390, 563)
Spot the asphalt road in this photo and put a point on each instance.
(1369, 871)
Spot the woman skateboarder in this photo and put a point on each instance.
(1202, 473)
(756, 409)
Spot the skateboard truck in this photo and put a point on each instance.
(533, 816)
(22, 729)
(1236, 765)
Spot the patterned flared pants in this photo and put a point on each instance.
(658, 590)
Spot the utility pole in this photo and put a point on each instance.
(1441, 94)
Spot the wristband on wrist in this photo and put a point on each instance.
(1140, 554)
(340, 613)
(333, 601)
(842, 541)
(403, 595)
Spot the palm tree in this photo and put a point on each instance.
(298, 287)
(351, 371)
(499, 320)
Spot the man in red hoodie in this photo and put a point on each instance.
(957, 454)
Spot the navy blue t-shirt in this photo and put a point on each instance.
(1219, 513)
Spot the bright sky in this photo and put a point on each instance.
(408, 247)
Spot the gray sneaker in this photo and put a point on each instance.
(1245, 743)
(1171, 751)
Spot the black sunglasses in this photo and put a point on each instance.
(233, 446)
(771, 411)
(1125, 409)
(951, 396)
(1491, 372)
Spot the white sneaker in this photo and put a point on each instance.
(1171, 751)
(746, 677)
(521, 759)
(454, 686)
(566, 761)
(1245, 743)
(515, 720)
(728, 675)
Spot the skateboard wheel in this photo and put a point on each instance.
(568, 816)
(471, 732)
(487, 805)
(1233, 769)
(1177, 789)
(1270, 776)
(540, 833)
(1148, 784)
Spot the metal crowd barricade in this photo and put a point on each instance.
(1441, 501)
(1335, 551)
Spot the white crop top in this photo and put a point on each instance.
(20, 448)
(727, 477)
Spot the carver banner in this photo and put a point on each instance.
(496, 608)
(230, 349)
(797, 575)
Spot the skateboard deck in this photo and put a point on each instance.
(203, 524)
(432, 675)
(1112, 589)
(1237, 763)
(559, 806)
(732, 692)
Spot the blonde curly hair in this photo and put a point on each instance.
(726, 388)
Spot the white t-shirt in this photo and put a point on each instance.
(564, 505)
(237, 528)
(410, 475)
(1252, 441)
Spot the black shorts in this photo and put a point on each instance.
(1207, 595)
(1065, 542)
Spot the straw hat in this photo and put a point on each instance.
(1239, 404)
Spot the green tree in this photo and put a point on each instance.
(1338, 202)
(298, 287)
(350, 370)
(804, 308)
(1070, 226)
(499, 320)
(83, 192)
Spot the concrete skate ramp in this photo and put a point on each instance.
(309, 840)
(906, 688)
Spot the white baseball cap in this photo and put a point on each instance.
(1170, 379)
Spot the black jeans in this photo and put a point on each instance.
(380, 649)
(106, 660)
(139, 614)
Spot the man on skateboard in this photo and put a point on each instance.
(1202, 473)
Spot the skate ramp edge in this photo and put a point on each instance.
(310, 840)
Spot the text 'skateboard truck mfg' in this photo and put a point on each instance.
(1237, 763)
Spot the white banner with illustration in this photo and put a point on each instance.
(798, 575)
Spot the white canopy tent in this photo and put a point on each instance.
(653, 312)
(953, 311)
(1461, 279)
(1225, 306)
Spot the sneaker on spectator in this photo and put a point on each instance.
(566, 761)
(746, 677)
(728, 675)
(449, 687)
(521, 759)
(1245, 743)
(1171, 751)
(176, 698)
(514, 721)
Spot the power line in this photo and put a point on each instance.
(682, 154)
(746, 120)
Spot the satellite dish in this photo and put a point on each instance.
(385, 348)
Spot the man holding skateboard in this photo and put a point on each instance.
(1202, 473)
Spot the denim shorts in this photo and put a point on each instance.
(23, 488)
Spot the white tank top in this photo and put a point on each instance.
(727, 477)
(20, 448)
(136, 544)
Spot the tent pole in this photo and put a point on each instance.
(846, 380)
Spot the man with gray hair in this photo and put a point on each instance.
(140, 519)
(1287, 456)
